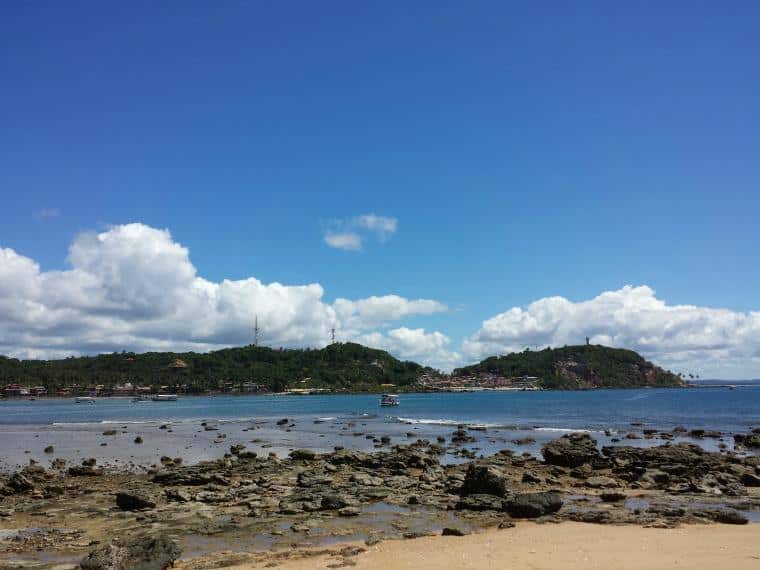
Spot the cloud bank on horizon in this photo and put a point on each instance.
(133, 287)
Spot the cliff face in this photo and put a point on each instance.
(580, 367)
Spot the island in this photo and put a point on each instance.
(338, 367)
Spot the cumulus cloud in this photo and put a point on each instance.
(349, 234)
(134, 288)
(686, 338)
(376, 311)
(431, 348)
(348, 241)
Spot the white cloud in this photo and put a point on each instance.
(134, 288)
(376, 311)
(349, 234)
(414, 344)
(348, 241)
(383, 226)
(708, 341)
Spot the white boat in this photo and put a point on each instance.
(389, 400)
(164, 398)
(84, 400)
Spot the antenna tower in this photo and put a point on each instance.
(256, 331)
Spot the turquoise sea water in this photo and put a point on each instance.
(712, 408)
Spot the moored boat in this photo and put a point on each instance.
(164, 398)
(389, 400)
(84, 400)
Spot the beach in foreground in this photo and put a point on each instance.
(568, 546)
(339, 483)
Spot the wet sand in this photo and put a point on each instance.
(565, 546)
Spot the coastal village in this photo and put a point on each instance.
(427, 382)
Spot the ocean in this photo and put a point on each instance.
(712, 408)
(322, 422)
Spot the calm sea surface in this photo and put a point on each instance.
(713, 408)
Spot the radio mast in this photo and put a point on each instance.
(256, 331)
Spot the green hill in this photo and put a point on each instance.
(578, 367)
(338, 366)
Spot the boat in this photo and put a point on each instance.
(164, 398)
(84, 400)
(389, 400)
(138, 399)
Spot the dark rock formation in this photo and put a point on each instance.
(532, 505)
(133, 501)
(484, 480)
(572, 450)
(139, 553)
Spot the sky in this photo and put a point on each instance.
(444, 180)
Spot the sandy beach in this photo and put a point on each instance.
(567, 546)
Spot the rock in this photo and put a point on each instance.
(483, 479)
(290, 508)
(582, 471)
(461, 436)
(448, 531)
(89, 462)
(506, 524)
(282, 422)
(192, 477)
(668, 511)
(84, 471)
(138, 439)
(750, 441)
(601, 482)
(750, 480)
(128, 501)
(138, 553)
(58, 463)
(532, 505)
(613, 497)
(593, 516)
(480, 503)
(110, 432)
(334, 502)
(523, 441)
(177, 495)
(572, 450)
(530, 477)
(366, 480)
(299, 527)
(349, 512)
(18, 483)
(49, 449)
(302, 454)
(727, 516)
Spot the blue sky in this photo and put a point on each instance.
(525, 150)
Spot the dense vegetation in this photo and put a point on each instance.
(338, 366)
(573, 367)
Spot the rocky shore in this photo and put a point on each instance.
(264, 509)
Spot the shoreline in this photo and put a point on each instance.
(567, 546)
(266, 503)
